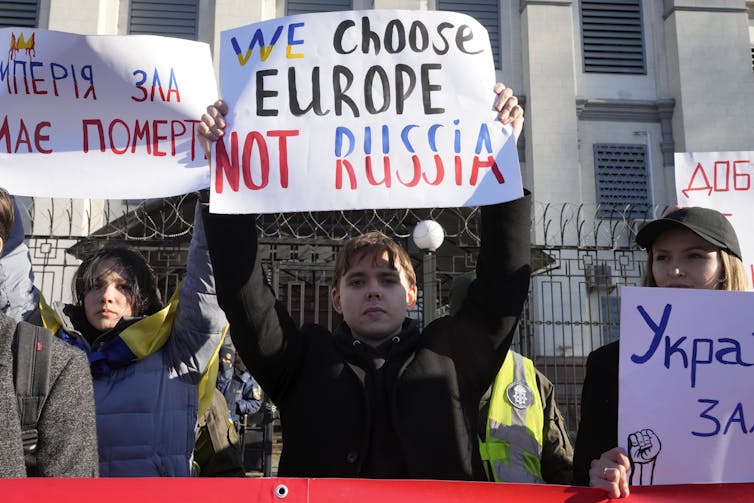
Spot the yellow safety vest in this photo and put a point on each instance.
(512, 449)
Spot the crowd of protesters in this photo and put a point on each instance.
(129, 376)
(147, 358)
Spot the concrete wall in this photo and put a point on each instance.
(710, 74)
(549, 85)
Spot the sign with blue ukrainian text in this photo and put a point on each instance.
(361, 109)
(686, 411)
(102, 116)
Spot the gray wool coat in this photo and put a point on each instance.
(67, 444)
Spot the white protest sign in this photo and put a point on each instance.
(721, 181)
(102, 116)
(686, 411)
(361, 109)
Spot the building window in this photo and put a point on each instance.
(612, 36)
(21, 13)
(622, 180)
(307, 6)
(752, 59)
(170, 18)
(487, 12)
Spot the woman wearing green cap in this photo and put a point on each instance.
(687, 248)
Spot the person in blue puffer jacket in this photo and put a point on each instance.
(150, 362)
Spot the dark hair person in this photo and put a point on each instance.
(147, 360)
(392, 401)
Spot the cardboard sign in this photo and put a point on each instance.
(721, 181)
(361, 109)
(102, 116)
(686, 411)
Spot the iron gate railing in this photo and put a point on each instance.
(579, 261)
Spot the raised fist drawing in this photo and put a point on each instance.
(643, 448)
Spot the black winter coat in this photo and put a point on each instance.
(433, 381)
(598, 428)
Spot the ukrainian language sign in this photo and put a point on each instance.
(102, 116)
(721, 181)
(361, 109)
(686, 412)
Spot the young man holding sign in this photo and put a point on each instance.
(376, 398)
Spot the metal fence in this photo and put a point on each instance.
(581, 256)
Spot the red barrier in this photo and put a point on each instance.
(292, 490)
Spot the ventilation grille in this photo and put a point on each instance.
(305, 7)
(613, 41)
(170, 18)
(21, 13)
(622, 179)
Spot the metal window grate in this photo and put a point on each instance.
(306, 6)
(752, 59)
(21, 13)
(622, 179)
(612, 36)
(487, 12)
(171, 18)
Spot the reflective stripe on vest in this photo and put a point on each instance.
(513, 447)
